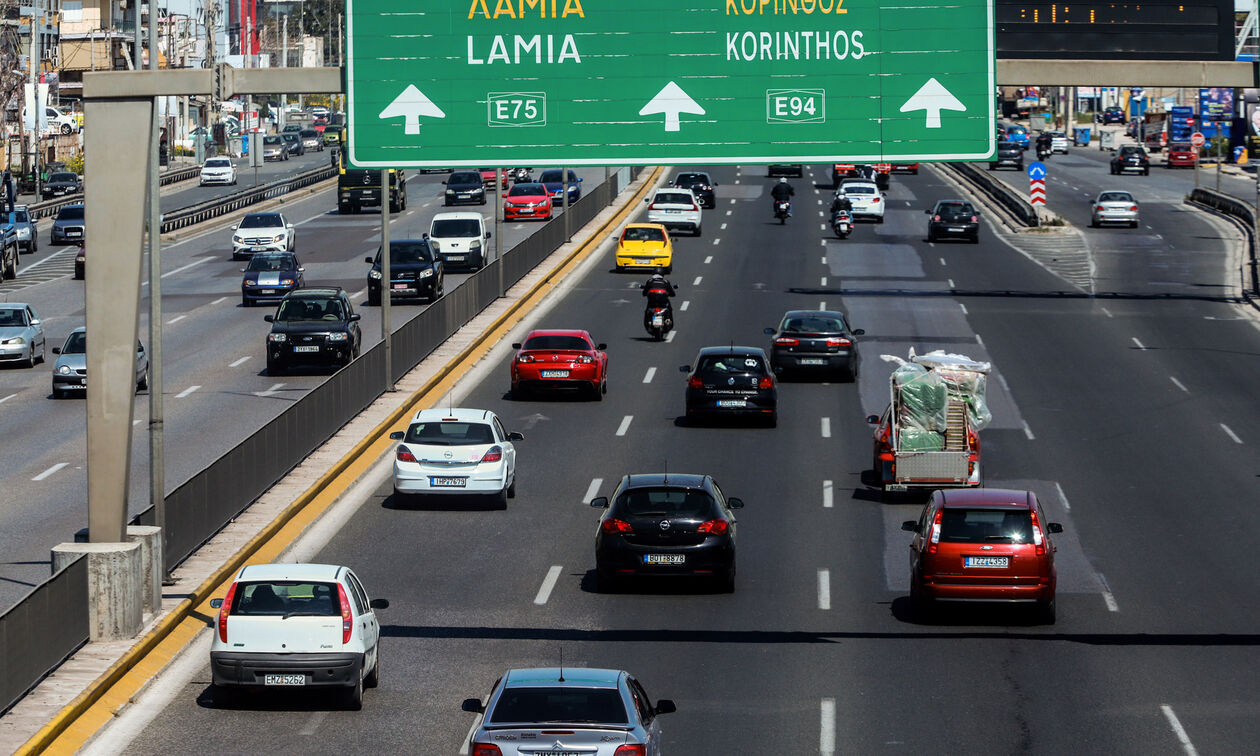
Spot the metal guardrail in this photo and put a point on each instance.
(49, 208)
(998, 191)
(223, 205)
(42, 630)
(1245, 214)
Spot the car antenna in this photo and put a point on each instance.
(667, 471)
(561, 664)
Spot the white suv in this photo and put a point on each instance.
(296, 626)
(675, 208)
(459, 239)
(263, 232)
(455, 451)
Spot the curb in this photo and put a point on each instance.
(69, 714)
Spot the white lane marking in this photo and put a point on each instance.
(313, 723)
(1178, 730)
(1028, 431)
(736, 181)
(826, 427)
(1062, 497)
(220, 300)
(1139, 344)
(979, 340)
(275, 387)
(7, 398)
(1178, 383)
(1005, 386)
(50, 471)
(592, 489)
(186, 392)
(198, 261)
(827, 727)
(1108, 598)
(820, 213)
(722, 227)
(1107, 312)
(728, 212)
(669, 337)
(1230, 433)
(240, 362)
(136, 422)
(175, 320)
(822, 281)
(824, 589)
(697, 281)
(823, 242)
(828, 494)
(360, 293)
(717, 241)
(708, 259)
(683, 307)
(822, 226)
(964, 307)
(942, 261)
(824, 259)
(647, 377)
(548, 583)
(625, 425)
(951, 283)
(822, 304)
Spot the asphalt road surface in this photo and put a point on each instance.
(1128, 415)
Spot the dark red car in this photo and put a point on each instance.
(487, 178)
(1180, 154)
(912, 168)
(984, 545)
(560, 360)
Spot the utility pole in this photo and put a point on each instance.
(157, 452)
(387, 283)
(284, 63)
(34, 58)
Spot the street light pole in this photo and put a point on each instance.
(386, 283)
(157, 455)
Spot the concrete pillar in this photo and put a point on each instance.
(150, 539)
(115, 595)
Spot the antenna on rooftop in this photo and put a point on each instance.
(561, 664)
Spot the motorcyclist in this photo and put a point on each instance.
(841, 202)
(1044, 143)
(658, 291)
(782, 192)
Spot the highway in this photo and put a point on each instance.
(216, 389)
(1128, 414)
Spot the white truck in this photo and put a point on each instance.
(929, 435)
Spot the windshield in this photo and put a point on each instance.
(594, 705)
(553, 177)
(1115, 197)
(63, 177)
(464, 178)
(446, 228)
(12, 317)
(73, 212)
(955, 211)
(813, 324)
(450, 434)
(76, 343)
(219, 163)
(309, 134)
(272, 139)
(310, 309)
(524, 190)
(271, 263)
(261, 220)
(670, 502)
(286, 598)
(407, 253)
(687, 179)
(986, 525)
(557, 342)
(643, 234)
(20, 216)
(739, 364)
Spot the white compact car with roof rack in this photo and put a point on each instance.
(296, 626)
(455, 451)
(675, 209)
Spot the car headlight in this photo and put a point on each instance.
(426, 273)
(338, 336)
(64, 370)
(237, 239)
(279, 238)
(450, 191)
(17, 340)
(277, 337)
(478, 190)
(434, 245)
(286, 282)
(476, 244)
(375, 275)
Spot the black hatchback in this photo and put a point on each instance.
(816, 342)
(666, 525)
(953, 219)
(413, 271)
(1008, 154)
(464, 188)
(732, 381)
(700, 185)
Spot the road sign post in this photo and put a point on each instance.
(1196, 140)
(522, 82)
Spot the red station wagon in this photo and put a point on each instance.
(983, 545)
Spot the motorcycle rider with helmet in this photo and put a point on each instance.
(658, 291)
(782, 192)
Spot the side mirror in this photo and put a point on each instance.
(397, 435)
(665, 706)
(516, 346)
(516, 436)
(368, 260)
(35, 321)
(355, 317)
(487, 234)
(56, 350)
(600, 502)
(301, 269)
(646, 200)
(735, 502)
(910, 525)
(872, 419)
(859, 331)
(473, 706)
(1054, 527)
(269, 318)
(242, 270)
(379, 603)
(927, 212)
(140, 347)
(235, 227)
(601, 346)
(216, 603)
(289, 226)
(768, 331)
(684, 368)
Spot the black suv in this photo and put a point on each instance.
(1131, 158)
(312, 327)
(1008, 153)
(953, 219)
(464, 188)
(700, 185)
(414, 271)
(732, 381)
(666, 525)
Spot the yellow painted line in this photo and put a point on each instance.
(92, 709)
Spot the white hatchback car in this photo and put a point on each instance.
(218, 170)
(867, 200)
(675, 209)
(455, 451)
(296, 626)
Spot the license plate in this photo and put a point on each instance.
(673, 212)
(266, 291)
(448, 482)
(306, 349)
(664, 559)
(455, 258)
(991, 562)
(732, 403)
(638, 261)
(74, 233)
(555, 374)
(956, 229)
(401, 286)
(463, 196)
(812, 361)
(257, 249)
(658, 320)
(284, 679)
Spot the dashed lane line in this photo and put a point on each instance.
(275, 388)
(592, 489)
(828, 494)
(827, 727)
(1178, 383)
(625, 425)
(1108, 598)
(548, 584)
(651, 373)
(825, 427)
(683, 307)
(1028, 432)
(241, 361)
(1231, 433)
(176, 319)
(1139, 344)
(186, 392)
(50, 471)
(669, 337)
(7, 398)
(824, 589)
(220, 300)
(1178, 730)
(1063, 499)
(708, 259)
(697, 281)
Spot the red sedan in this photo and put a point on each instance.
(1180, 154)
(487, 178)
(560, 359)
(905, 168)
(529, 200)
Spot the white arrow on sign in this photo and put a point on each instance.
(932, 98)
(671, 101)
(412, 104)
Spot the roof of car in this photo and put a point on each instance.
(556, 332)
(564, 677)
(985, 497)
(656, 480)
(316, 291)
(705, 351)
(645, 225)
(463, 414)
(457, 215)
(289, 572)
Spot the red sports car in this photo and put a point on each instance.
(487, 178)
(560, 359)
(529, 200)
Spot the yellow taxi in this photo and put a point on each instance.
(645, 246)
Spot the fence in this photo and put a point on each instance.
(1233, 207)
(223, 205)
(42, 630)
(49, 208)
(996, 190)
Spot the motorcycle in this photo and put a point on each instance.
(781, 210)
(1043, 152)
(842, 223)
(659, 322)
(521, 175)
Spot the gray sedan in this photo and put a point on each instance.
(70, 370)
(1114, 207)
(21, 335)
(27, 234)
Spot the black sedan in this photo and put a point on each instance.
(700, 185)
(731, 381)
(269, 276)
(1131, 158)
(953, 219)
(817, 342)
(1113, 114)
(666, 525)
(414, 271)
(61, 184)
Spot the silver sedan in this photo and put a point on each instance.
(1114, 207)
(70, 371)
(21, 334)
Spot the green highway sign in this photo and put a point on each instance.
(434, 83)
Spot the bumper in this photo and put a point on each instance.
(246, 250)
(207, 180)
(426, 288)
(616, 557)
(511, 213)
(411, 478)
(1117, 217)
(760, 405)
(961, 230)
(72, 382)
(472, 259)
(320, 670)
(1127, 167)
(672, 221)
(952, 588)
(466, 198)
(360, 197)
(11, 352)
(857, 214)
(264, 293)
(1007, 162)
(644, 263)
(59, 236)
(284, 354)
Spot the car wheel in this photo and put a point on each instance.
(343, 209)
(848, 375)
(1048, 611)
(699, 227)
(931, 238)
(352, 697)
(245, 302)
(143, 383)
(66, 128)
(29, 362)
(373, 678)
(606, 582)
(274, 367)
(598, 391)
(1133, 224)
(1146, 171)
(483, 198)
(1093, 221)
(726, 581)
(501, 499)
(773, 420)
(511, 489)
(880, 219)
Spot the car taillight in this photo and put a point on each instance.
(765, 382)
(614, 526)
(223, 613)
(694, 206)
(695, 382)
(493, 454)
(631, 750)
(714, 527)
(839, 342)
(935, 537)
(875, 200)
(525, 358)
(405, 455)
(347, 621)
(585, 359)
(1133, 208)
(1039, 541)
(786, 341)
(486, 749)
(653, 206)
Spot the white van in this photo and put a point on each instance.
(459, 239)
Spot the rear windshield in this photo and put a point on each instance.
(557, 342)
(450, 434)
(986, 526)
(310, 309)
(309, 134)
(286, 599)
(955, 211)
(593, 705)
(738, 364)
(63, 177)
(73, 212)
(1115, 197)
(464, 178)
(260, 220)
(813, 324)
(672, 198)
(1006, 145)
(1180, 146)
(271, 263)
(553, 177)
(858, 189)
(1015, 130)
(668, 502)
(408, 252)
(687, 179)
(524, 190)
(644, 234)
(1130, 150)
(445, 228)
